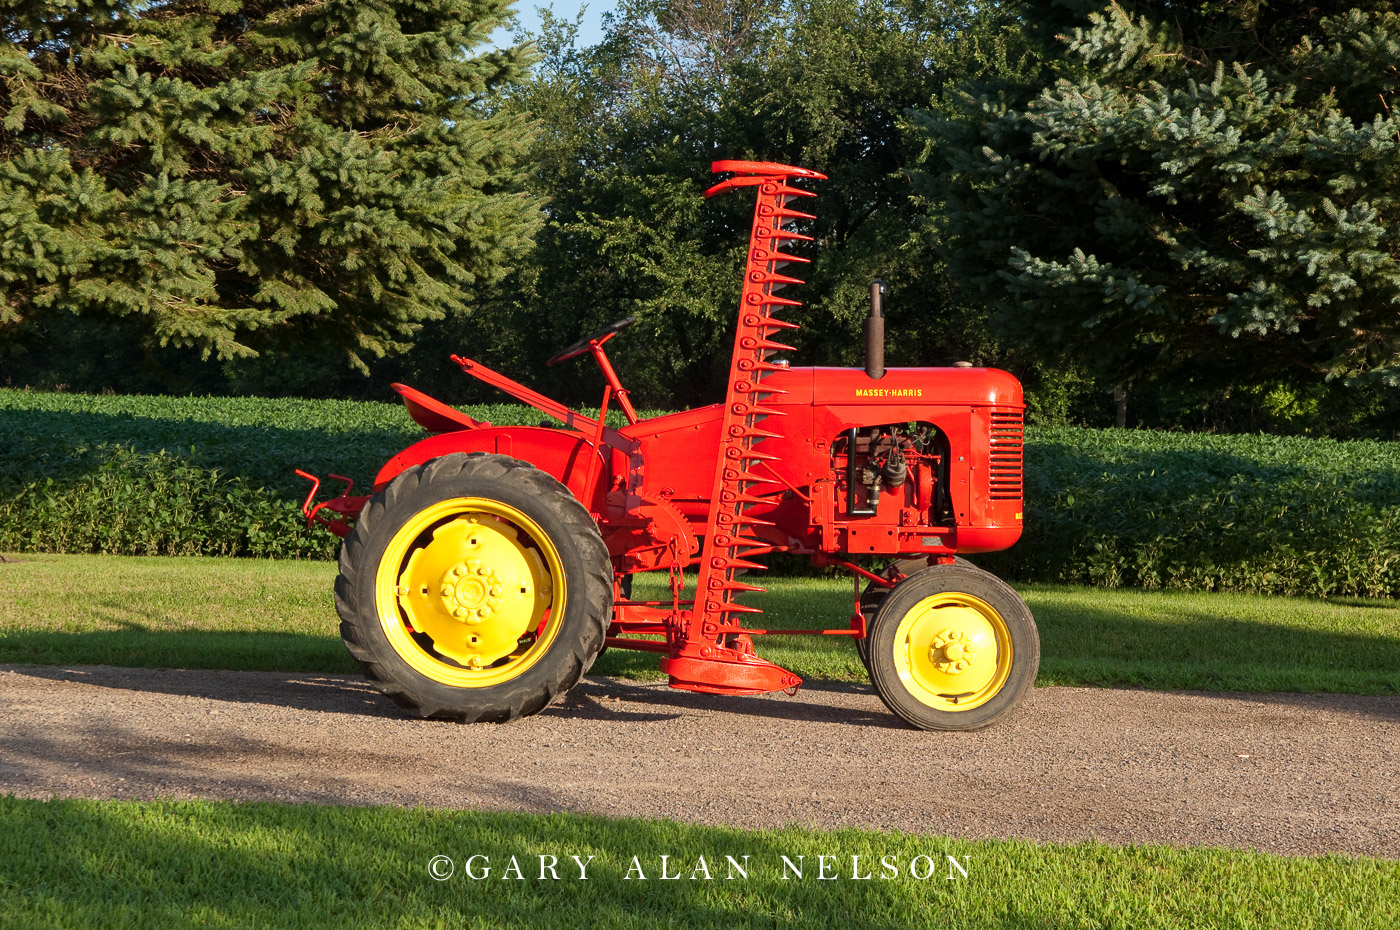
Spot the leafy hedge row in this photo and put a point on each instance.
(1285, 515)
(114, 500)
(159, 475)
(143, 475)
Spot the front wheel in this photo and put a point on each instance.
(952, 648)
(474, 587)
(874, 595)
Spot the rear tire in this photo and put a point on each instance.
(953, 648)
(474, 587)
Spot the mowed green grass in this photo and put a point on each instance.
(279, 616)
(74, 863)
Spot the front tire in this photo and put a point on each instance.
(474, 587)
(874, 595)
(953, 648)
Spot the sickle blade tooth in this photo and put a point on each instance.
(737, 586)
(775, 346)
(785, 213)
(772, 277)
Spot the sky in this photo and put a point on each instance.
(592, 28)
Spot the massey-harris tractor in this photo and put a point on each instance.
(492, 564)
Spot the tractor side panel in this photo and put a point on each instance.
(677, 452)
(565, 455)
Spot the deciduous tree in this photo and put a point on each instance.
(631, 125)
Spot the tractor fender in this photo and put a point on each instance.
(562, 453)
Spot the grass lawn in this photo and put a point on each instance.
(247, 614)
(76, 863)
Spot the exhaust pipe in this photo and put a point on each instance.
(875, 333)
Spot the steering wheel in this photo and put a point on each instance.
(586, 343)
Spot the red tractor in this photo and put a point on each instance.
(492, 564)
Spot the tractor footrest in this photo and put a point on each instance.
(746, 675)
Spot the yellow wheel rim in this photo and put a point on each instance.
(953, 651)
(470, 592)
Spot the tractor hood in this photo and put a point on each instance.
(944, 386)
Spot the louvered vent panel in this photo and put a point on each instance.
(1008, 430)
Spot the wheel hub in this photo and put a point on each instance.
(952, 652)
(474, 590)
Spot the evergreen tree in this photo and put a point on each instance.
(1206, 193)
(230, 174)
(630, 127)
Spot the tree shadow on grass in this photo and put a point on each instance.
(1184, 648)
(1217, 654)
(138, 647)
(192, 864)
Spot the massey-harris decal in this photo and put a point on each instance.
(889, 392)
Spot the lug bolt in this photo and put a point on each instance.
(459, 613)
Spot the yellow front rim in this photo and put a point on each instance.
(470, 592)
(953, 651)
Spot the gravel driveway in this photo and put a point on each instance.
(1285, 773)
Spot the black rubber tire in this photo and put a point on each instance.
(573, 533)
(874, 595)
(1015, 615)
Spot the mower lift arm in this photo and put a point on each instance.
(570, 418)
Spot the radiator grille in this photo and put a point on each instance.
(1006, 441)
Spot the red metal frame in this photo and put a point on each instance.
(771, 468)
